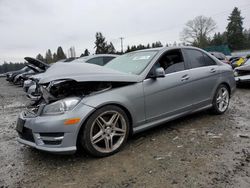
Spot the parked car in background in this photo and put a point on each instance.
(220, 56)
(247, 62)
(31, 80)
(237, 62)
(33, 66)
(20, 78)
(98, 107)
(11, 75)
(242, 73)
(30, 85)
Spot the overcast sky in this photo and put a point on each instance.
(29, 27)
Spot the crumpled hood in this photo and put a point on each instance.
(37, 63)
(34, 68)
(82, 72)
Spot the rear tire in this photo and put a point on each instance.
(221, 100)
(105, 132)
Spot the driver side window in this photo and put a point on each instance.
(171, 61)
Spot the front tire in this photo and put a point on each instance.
(105, 132)
(221, 100)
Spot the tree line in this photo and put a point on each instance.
(197, 32)
(6, 67)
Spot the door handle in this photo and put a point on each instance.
(212, 70)
(185, 77)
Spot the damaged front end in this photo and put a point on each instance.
(45, 125)
(53, 121)
(61, 89)
(60, 96)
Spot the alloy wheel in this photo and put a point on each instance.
(222, 99)
(108, 131)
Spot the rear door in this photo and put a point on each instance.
(204, 75)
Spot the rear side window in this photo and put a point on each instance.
(196, 58)
(107, 59)
(96, 61)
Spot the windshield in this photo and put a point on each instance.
(132, 63)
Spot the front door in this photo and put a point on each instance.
(170, 95)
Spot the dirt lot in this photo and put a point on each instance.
(200, 150)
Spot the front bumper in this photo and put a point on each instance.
(48, 133)
(65, 150)
(243, 79)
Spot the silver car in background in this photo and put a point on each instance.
(96, 108)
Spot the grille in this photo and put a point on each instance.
(55, 142)
(52, 138)
(52, 134)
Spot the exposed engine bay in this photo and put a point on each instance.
(60, 89)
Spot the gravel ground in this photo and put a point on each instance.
(201, 150)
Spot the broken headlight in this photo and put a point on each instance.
(61, 106)
(236, 73)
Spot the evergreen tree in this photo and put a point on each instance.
(60, 54)
(246, 34)
(234, 31)
(110, 48)
(157, 44)
(6, 67)
(40, 57)
(55, 58)
(100, 44)
(86, 52)
(48, 57)
(219, 39)
(128, 49)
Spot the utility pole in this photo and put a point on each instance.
(121, 38)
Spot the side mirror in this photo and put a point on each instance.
(159, 72)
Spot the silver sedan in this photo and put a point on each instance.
(96, 108)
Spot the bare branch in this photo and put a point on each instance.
(198, 30)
